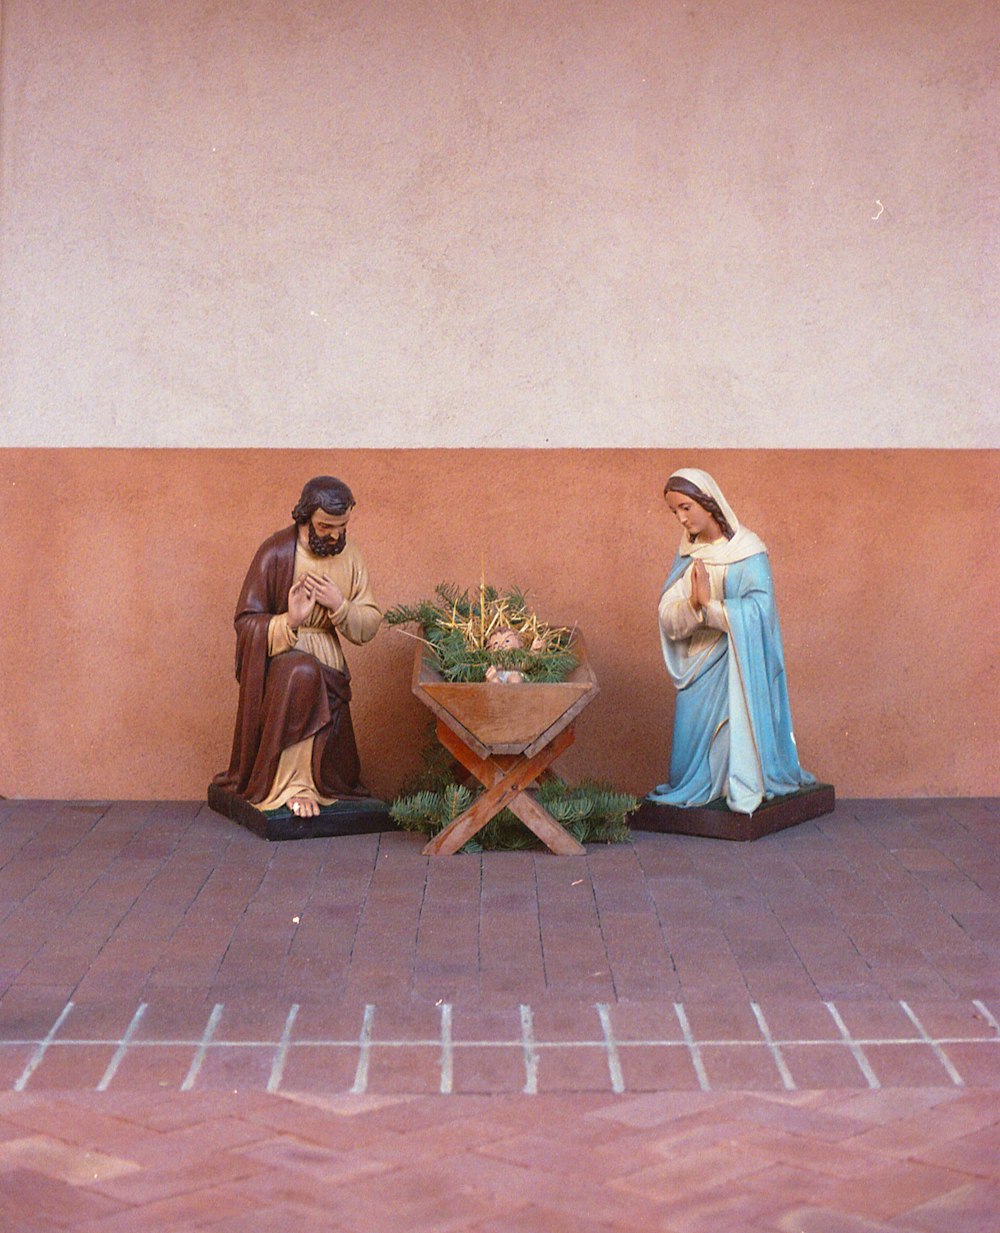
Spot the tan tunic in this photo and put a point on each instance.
(357, 619)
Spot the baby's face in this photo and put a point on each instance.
(504, 640)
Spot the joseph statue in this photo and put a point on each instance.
(306, 588)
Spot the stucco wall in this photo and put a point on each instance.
(385, 223)
(126, 565)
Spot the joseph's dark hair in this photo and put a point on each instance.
(326, 493)
(677, 483)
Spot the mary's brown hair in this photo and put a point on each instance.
(677, 483)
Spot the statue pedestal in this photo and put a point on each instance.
(716, 821)
(363, 816)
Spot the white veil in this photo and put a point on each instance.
(745, 543)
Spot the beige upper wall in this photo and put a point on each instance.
(356, 223)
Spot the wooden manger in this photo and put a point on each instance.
(507, 736)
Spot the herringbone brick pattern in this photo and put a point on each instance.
(202, 1031)
(909, 1161)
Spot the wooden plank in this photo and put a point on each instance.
(518, 777)
(523, 806)
(484, 767)
(552, 833)
(566, 718)
(505, 718)
(420, 669)
(506, 714)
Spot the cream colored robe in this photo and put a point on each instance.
(357, 620)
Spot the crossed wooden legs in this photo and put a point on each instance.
(505, 778)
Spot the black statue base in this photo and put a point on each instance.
(717, 821)
(363, 816)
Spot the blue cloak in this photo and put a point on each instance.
(733, 722)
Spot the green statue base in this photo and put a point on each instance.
(363, 816)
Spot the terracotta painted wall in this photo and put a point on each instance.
(124, 566)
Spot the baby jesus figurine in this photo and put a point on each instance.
(506, 639)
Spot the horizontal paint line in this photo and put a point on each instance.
(779, 446)
(511, 1043)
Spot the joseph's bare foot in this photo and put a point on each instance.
(303, 807)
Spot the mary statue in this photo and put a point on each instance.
(722, 647)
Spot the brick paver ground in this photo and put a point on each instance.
(201, 1030)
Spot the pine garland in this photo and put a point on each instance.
(458, 628)
(592, 812)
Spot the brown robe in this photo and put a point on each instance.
(286, 698)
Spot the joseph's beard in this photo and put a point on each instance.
(326, 545)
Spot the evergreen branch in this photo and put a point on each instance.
(591, 812)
